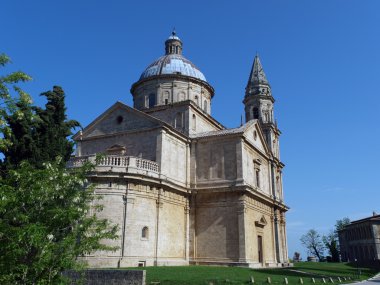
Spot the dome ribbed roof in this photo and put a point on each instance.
(172, 64)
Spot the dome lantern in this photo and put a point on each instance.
(173, 45)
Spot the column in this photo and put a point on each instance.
(242, 235)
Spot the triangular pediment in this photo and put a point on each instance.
(118, 118)
(116, 149)
(254, 135)
(262, 222)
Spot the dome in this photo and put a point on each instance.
(172, 64)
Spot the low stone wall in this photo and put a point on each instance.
(107, 277)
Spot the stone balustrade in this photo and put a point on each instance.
(116, 162)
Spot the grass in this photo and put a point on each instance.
(206, 275)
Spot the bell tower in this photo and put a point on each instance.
(258, 102)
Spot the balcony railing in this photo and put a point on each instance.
(116, 161)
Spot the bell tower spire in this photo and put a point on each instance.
(258, 98)
(258, 102)
(257, 76)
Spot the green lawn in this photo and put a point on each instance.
(205, 275)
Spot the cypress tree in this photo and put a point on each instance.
(54, 128)
(38, 135)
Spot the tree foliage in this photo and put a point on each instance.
(48, 214)
(37, 134)
(46, 222)
(54, 128)
(331, 242)
(8, 85)
(340, 224)
(313, 243)
(29, 132)
(297, 257)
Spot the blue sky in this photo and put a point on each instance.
(322, 59)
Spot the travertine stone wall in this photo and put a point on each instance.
(172, 227)
(255, 211)
(253, 161)
(120, 120)
(216, 227)
(143, 208)
(253, 137)
(168, 90)
(176, 156)
(141, 212)
(145, 148)
(216, 160)
(199, 124)
(185, 117)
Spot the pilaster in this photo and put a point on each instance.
(241, 212)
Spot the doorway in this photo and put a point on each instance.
(260, 248)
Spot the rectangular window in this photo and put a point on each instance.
(258, 178)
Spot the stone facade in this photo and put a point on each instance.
(360, 240)
(183, 188)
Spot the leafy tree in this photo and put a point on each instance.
(8, 83)
(331, 243)
(38, 135)
(340, 224)
(46, 222)
(313, 243)
(297, 257)
(19, 134)
(54, 128)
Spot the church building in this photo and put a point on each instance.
(183, 188)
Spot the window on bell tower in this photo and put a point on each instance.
(255, 113)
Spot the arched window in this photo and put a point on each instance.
(181, 96)
(266, 116)
(178, 121)
(152, 100)
(165, 98)
(194, 123)
(255, 113)
(196, 100)
(205, 106)
(145, 232)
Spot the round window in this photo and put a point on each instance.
(119, 119)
